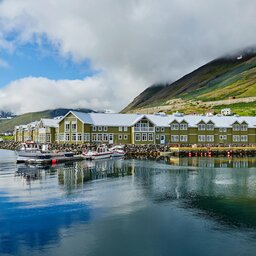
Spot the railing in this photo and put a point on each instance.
(143, 129)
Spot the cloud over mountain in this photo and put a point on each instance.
(134, 43)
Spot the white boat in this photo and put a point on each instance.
(117, 151)
(37, 153)
(101, 152)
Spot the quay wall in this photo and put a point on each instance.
(153, 150)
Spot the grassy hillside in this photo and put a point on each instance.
(8, 125)
(232, 77)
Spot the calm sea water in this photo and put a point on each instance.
(196, 206)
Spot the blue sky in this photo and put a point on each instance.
(33, 60)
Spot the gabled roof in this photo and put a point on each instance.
(49, 122)
(100, 119)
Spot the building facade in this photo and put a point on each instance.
(177, 129)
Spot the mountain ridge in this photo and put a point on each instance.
(224, 78)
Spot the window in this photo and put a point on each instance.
(99, 128)
(61, 137)
(125, 129)
(120, 136)
(175, 127)
(87, 137)
(183, 126)
(79, 136)
(150, 136)
(236, 127)
(183, 138)
(48, 137)
(210, 127)
(162, 129)
(210, 138)
(223, 137)
(157, 137)
(94, 137)
(201, 127)
(244, 127)
(244, 138)
(175, 138)
(236, 138)
(201, 138)
(125, 137)
(157, 129)
(67, 137)
(120, 128)
(144, 136)
(73, 137)
(73, 126)
(105, 137)
(223, 129)
(99, 137)
(105, 128)
(67, 126)
(94, 128)
(137, 136)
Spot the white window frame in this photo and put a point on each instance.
(210, 127)
(157, 129)
(73, 126)
(184, 138)
(244, 138)
(100, 128)
(144, 137)
(94, 128)
(73, 137)
(244, 127)
(223, 137)
(120, 128)
(105, 128)
(67, 123)
(120, 136)
(125, 137)
(87, 137)
(183, 126)
(236, 138)
(137, 137)
(174, 138)
(67, 137)
(162, 129)
(201, 127)
(175, 127)
(150, 137)
(210, 138)
(79, 137)
(201, 138)
(236, 127)
(125, 128)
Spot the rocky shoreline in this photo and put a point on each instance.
(130, 150)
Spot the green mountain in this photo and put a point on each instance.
(228, 81)
(9, 124)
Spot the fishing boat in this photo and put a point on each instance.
(30, 152)
(117, 151)
(101, 152)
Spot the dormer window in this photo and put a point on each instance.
(183, 126)
(210, 127)
(201, 127)
(244, 127)
(236, 127)
(175, 127)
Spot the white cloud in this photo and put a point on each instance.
(136, 42)
(4, 64)
(37, 93)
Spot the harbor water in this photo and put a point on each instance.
(177, 206)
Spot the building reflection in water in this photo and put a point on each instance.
(74, 175)
(210, 162)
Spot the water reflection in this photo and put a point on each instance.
(209, 162)
(40, 205)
